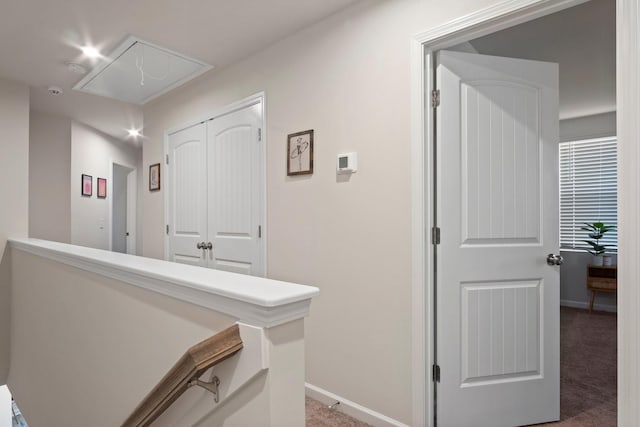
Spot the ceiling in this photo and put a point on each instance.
(37, 37)
(582, 40)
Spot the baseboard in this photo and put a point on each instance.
(350, 408)
(585, 305)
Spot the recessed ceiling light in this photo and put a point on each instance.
(76, 68)
(90, 52)
(134, 133)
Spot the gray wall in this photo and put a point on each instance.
(596, 126)
(573, 283)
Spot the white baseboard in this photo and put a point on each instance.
(585, 305)
(350, 408)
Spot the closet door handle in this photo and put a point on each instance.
(200, 245)
(209, 245)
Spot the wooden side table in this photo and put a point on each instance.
(601, 279)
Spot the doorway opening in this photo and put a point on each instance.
(123, 209)
(581, 39)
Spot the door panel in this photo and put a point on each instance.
(499, 131)
(497, 197)
(235, 191)
(187, 195)
(494, 316)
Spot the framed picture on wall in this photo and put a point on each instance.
(102, 188)
(87, 185)
(154, 177)
(300, 153)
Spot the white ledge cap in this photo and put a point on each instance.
(253, 300)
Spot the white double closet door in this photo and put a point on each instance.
(216, 193)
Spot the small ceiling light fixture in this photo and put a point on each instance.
(55, 90)
(90, 52)
(134, 133)
(76, 68)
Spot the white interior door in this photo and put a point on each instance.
(131, 212)
(235, 191)
(497, 208)
(187, 194)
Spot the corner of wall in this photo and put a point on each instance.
(14, 168)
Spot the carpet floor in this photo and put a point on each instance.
(318, 415)
(588, 369)
(588, 384)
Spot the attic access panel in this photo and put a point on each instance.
(138, 71)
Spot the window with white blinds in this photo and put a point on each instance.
(588, 190)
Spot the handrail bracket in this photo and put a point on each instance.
(211, 387)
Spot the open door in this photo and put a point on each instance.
(498, 300)
(132, 195)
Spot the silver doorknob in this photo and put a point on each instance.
(209, 245)
(554, 259)
(200, 245)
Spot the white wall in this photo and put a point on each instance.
(92, 153)
(49, 168)
(14, 194)
(348, 79)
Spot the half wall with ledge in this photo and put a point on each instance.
(92, 333)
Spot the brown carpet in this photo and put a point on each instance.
(588, 369)
(318, 415)
(588, 387)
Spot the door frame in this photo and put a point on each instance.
(134, 169)
(229, 108)
(491, 19)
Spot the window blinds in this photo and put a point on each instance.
(588, 190)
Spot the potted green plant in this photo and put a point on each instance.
(596, 231)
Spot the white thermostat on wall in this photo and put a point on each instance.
(347, 163)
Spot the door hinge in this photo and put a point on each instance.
(435, 373)
(435, 98)
(167, 159)
(167, 228)
(259, 231)
(259, 134)
(435, 235)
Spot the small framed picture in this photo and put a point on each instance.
(102, 188)
(87, 185)
(154, 177)
(300, 153)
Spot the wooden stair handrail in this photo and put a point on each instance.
(195, 362)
